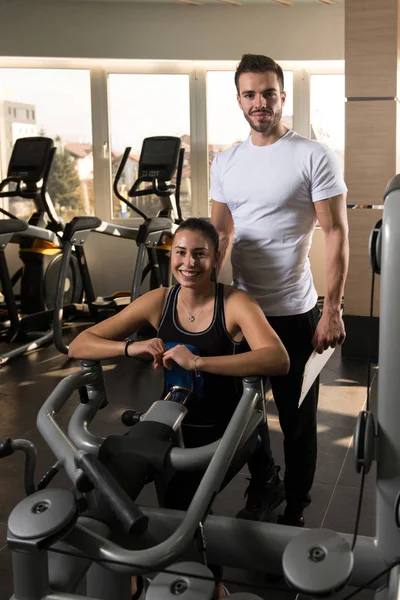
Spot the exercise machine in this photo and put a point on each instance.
(314, 562)
(26, 319)
(160, 160)
(77, 450)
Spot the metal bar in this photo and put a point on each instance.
(85, 275)
(28, 347)
(166, 552)
(388, 472)
(30, 463)
(9, 297)
(197, 459)
(137, 275)
(260, 548)
(371, 98)
(30, 575)
(78, 429)
(59, 298)
(61, 446)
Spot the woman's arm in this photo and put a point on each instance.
(105, 339)
(266, 357)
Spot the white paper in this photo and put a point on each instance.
(313, 368)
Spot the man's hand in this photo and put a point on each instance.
(154, 348)
(330, 331)
(181, 355)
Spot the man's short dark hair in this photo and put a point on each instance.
(258, 63)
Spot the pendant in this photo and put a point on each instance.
(191, 318)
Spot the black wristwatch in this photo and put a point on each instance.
(128, 342)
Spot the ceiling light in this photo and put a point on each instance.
(234, 2)
(284, 2)
(193, 2)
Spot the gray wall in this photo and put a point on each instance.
(51, 28)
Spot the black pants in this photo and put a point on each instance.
(299, 425)
(183, 485)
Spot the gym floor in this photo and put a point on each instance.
(26, 382)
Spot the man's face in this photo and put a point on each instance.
(261, 100)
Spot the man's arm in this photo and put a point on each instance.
(332, 216)
(221, 218)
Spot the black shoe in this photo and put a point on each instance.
(261, 501)
(291, 519)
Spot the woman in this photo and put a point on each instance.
(216, 333)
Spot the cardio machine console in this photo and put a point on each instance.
(29, 158)
(159, 157)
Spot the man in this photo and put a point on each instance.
(268, 192)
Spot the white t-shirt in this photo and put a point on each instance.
(270, 191)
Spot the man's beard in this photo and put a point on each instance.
(266, 126)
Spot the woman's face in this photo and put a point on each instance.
(193, 258)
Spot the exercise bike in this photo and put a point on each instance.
(26, 319)
(161, 158)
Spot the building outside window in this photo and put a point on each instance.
(145, 105)
(54, 103)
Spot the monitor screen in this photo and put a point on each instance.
(30, 157)
(160, 151)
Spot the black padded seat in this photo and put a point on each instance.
(12, 226)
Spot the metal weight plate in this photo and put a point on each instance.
(170, 586)
(317, 562)
(42, 514)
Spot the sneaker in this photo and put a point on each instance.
(260, 502)
(291, 519)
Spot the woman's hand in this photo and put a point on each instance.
(181, 355)
(154, 348)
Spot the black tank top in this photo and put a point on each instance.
(215, 396)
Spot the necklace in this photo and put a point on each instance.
(196, 314)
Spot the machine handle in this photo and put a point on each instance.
(6, 448)
(10, 194)
(129, 515)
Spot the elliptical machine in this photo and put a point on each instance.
(161, 158)
(26, 319)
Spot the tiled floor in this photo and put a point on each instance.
(25, 384)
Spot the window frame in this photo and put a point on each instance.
(197, 72)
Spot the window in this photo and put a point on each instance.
(327, 121)
(144, 105)
(60, 104)
(226, 125)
